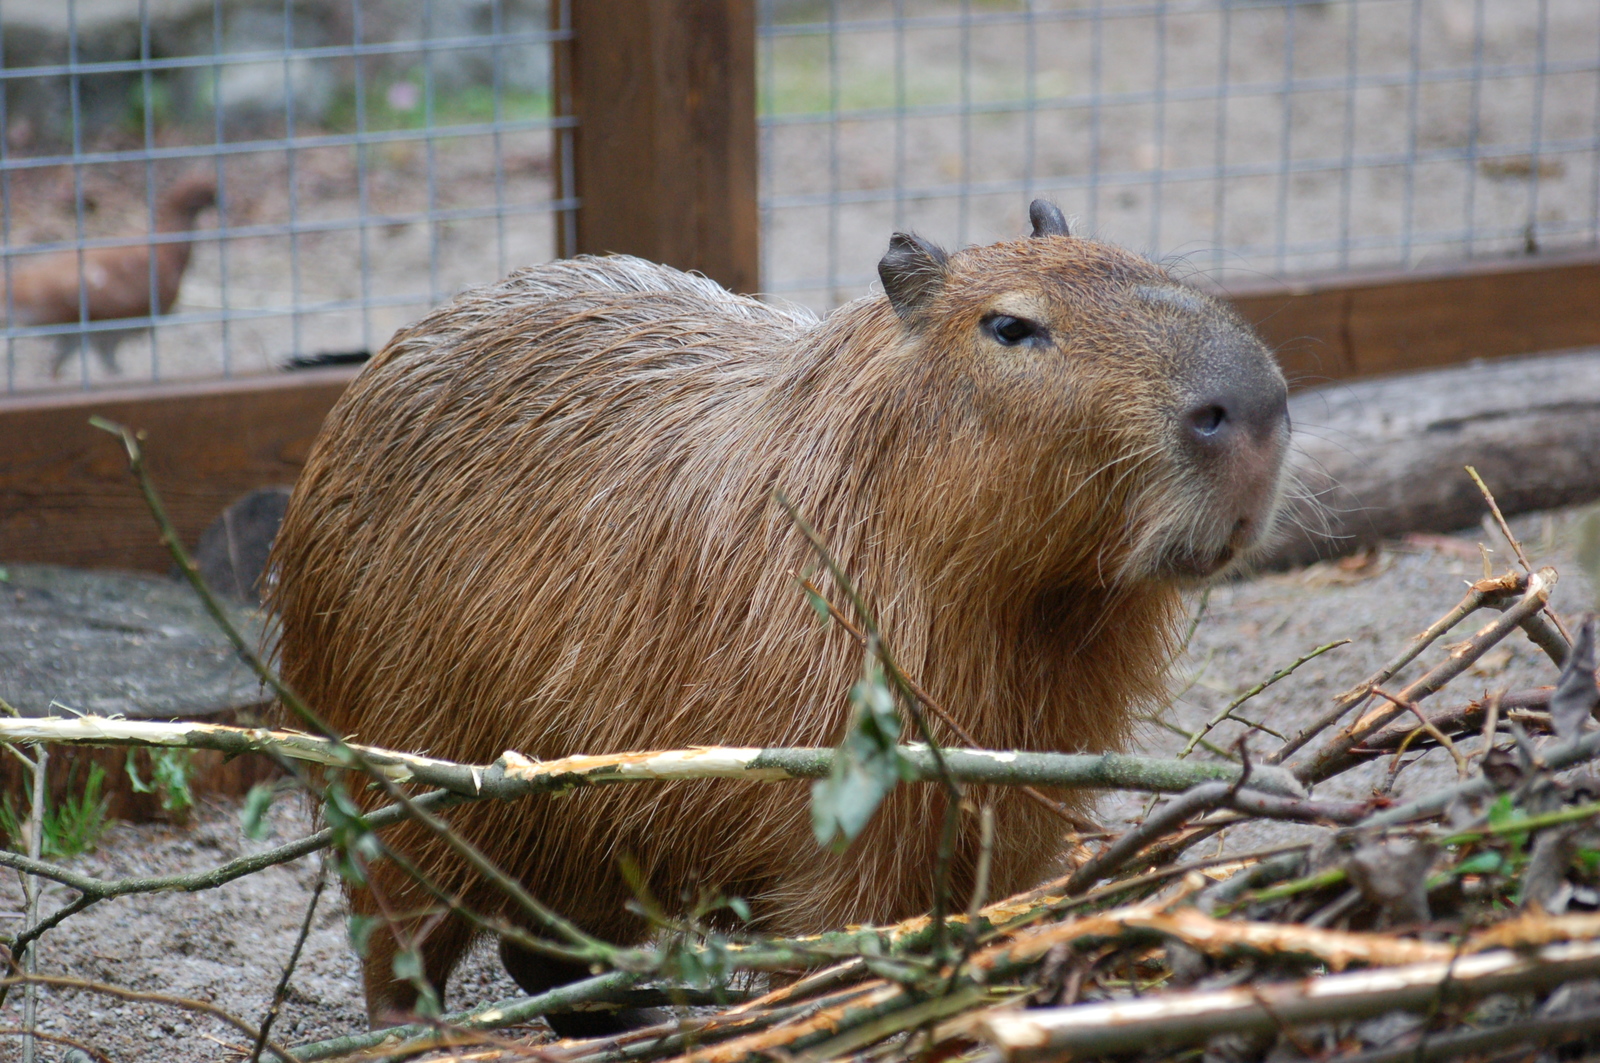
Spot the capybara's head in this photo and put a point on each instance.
(1146, 420)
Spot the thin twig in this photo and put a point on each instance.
(1477, 595)
(32, 889)
(202, 1006)
(1529, 706)
(93, 890)
(421, 1035)
(947, 834)
(1334, 756)
(1205, 743)
(1079, 822)
(1439, 736)
(1491, 722)
(281, 993)
(590, 947)
(1556, 757)
(980, 892)
(58, 1039)
(1185, 806)
(1505, 529)
(1194, 621)
(1227, 711)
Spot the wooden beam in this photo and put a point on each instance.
(1373, 324)
(663, 157)
(66, 496)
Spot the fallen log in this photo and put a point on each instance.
(1375, 459)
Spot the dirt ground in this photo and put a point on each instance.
(228, 945)
(1140, 168)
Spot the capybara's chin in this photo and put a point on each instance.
(543, 519)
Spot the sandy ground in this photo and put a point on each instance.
(1141, 168)
(228, 945)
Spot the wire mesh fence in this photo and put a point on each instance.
(367, 160)
(1241, 137)
(370, 159)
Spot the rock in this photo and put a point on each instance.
(232, 553)
(111, 642)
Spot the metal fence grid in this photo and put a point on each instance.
(1239, 137)
(371, 159)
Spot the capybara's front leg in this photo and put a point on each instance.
(390, 999)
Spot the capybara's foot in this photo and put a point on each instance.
(537, 973)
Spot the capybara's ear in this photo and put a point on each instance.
(1047, 219)
(912, 272)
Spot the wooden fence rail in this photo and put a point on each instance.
(662, 163)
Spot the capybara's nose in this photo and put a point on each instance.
(1256, 410)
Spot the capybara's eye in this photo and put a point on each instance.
(1014, 331)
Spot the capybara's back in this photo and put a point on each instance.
(543, 519)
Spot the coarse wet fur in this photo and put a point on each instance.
(543, 519)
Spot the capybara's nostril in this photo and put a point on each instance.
(1258, 409)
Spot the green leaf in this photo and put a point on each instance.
(1503, 813)
(740, 908)
(866, 765)
(138, 784)
(170, 772)
(408, 965)
(353, 839)
(253, 816)
(428, 1004)
(1486, 863)
(820, 604)
(359, 929)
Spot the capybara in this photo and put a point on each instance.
(544, 519)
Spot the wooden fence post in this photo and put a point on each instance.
(662, 160)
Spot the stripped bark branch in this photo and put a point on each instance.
(514, 776)
(1179, 1018)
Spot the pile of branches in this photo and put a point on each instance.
(1462, 924)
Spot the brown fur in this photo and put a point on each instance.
(542, 520)
(116, 280)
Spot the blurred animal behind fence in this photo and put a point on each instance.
(108, 283)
